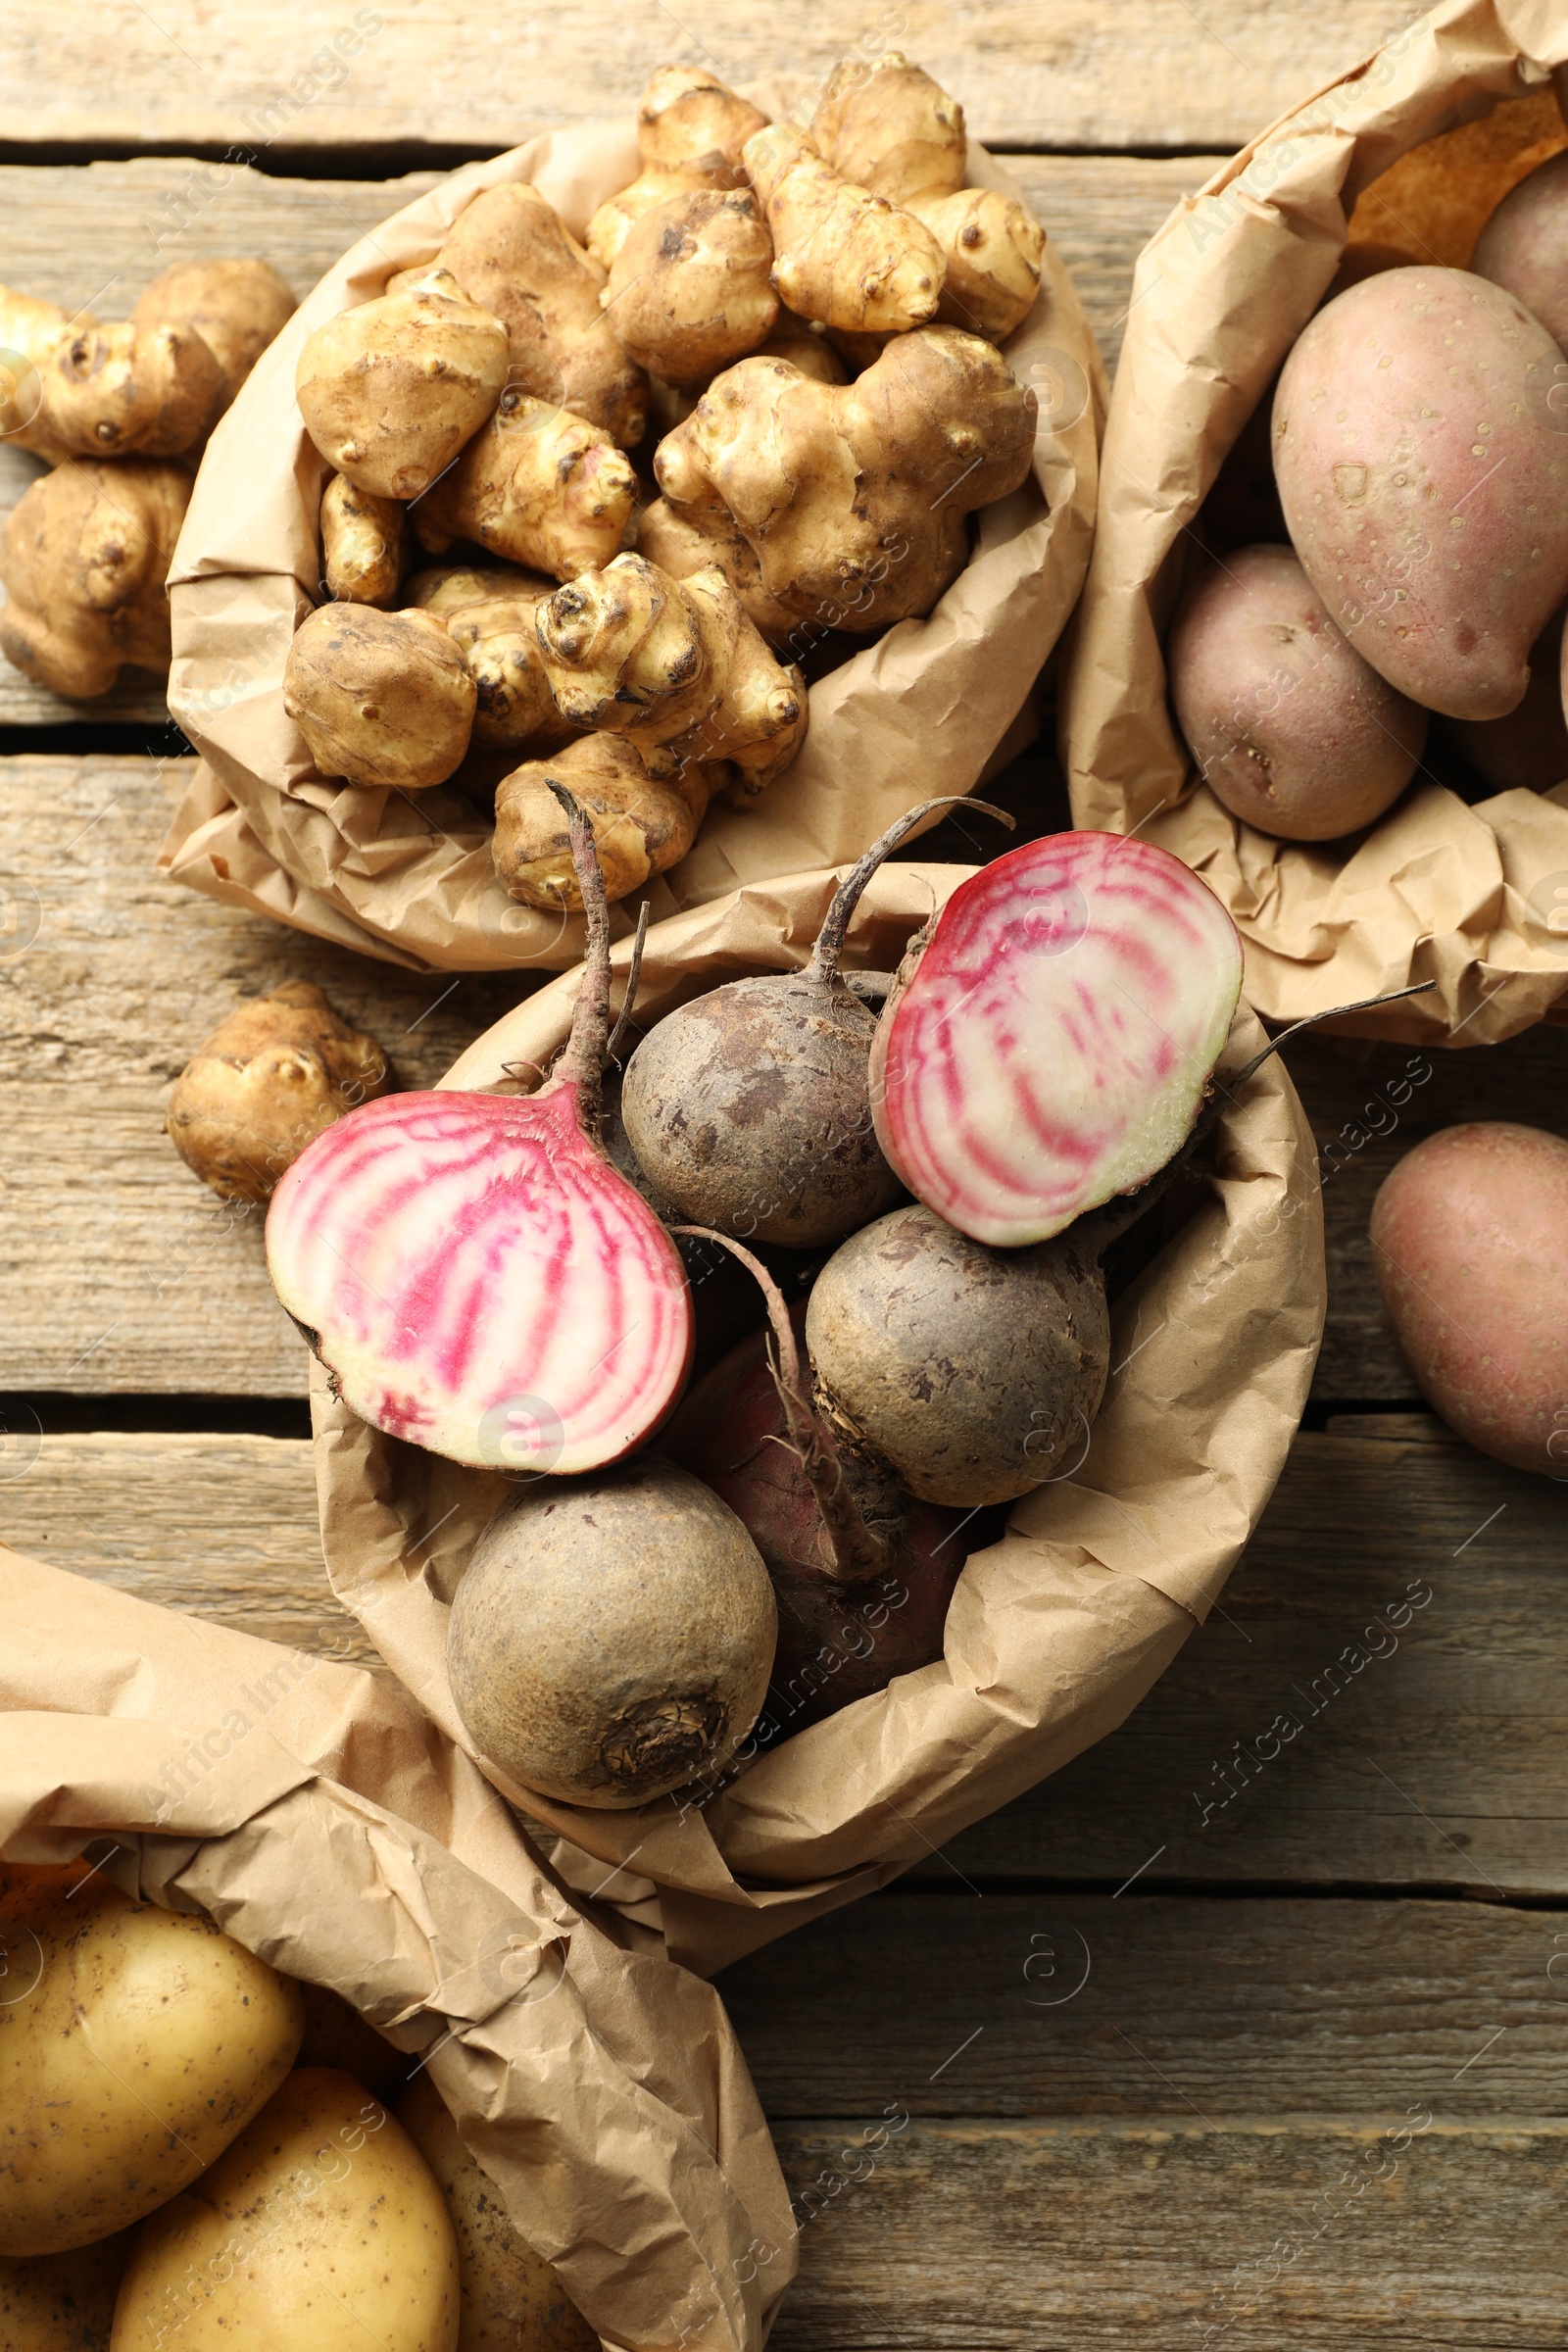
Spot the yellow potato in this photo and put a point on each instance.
(512, 2299)
(320, 2230)
(61, 2302)
(135, 2044)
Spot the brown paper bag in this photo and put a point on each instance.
(323, 1820)
(1470, 897)
(408, 876)
(1053, 1635)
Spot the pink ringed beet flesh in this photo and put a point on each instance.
(481, 1282)
(1049, 1045)
(474, 1274)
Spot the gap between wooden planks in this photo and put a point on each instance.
(96, 236)
(1401, 1605)
(302, 75)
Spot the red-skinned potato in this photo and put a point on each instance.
(1528, 751)
(1470, 1240)
(1288, 727)
(1524, 246)
(1424, 479)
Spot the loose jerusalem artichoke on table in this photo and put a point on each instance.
(500, 394)
(120, 411)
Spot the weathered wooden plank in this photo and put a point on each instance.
(1440, 1761)
(117, 1270)
(1063, 2005)
(1319, 2235)
(1368, 1105)
(314, 73)
(223, 1525)
(1378, 1700)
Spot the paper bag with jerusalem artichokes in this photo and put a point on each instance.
(916, 712)
(1454, 110)
(1053, 1633)
(314, 1812)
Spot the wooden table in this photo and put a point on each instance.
(1190, 2050)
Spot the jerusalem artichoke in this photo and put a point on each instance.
(889, 126)
(511, 253)
(380, 697)
(392, 390)
(362, 544)
(80, 388)
(236, 307)
(690, 130)
(689, 290)
(641, 826)
(85, 555)
(843, 255)
(265, 1084)
(675, 667)
(538, 486)
(853, 498)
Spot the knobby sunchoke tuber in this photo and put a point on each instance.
(391, 391)
(682, 540)
(640, 824)
(675, 667)
(362, 544)
(152, 385)
(85, 555)
(380, 697)
(538, 486)
(853, 497)
(265, 1084)
(690, 289)
(490, 611)
(80, 388)
(236, 307)
(887, 125)
(511, 253)
(843, 255)
(690, 130)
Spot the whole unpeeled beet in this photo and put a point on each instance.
(1424, 477)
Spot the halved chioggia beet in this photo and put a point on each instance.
(971, 1374)
(1049, 1038)
(474, 1274)
(861, 1572)
(749, 1107)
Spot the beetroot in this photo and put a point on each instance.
(969, 1375)
(613, 1634)
(749, 1107)
(861, 1572)
(475, 1275)
(1051, 1037)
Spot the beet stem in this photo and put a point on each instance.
(825, 964)
(582, 1060)
(857, 1553)
(1335, 1013)
(634, 974)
